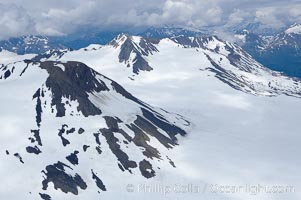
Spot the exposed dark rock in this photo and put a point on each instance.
(115, 148)
(171, 162)
(24, 70)
(141, 140)
(2, 67)
(45, 196)
(7, 74)
(154, 118)
(148, 45)
(142, 127)
(61, 180)
(31, 139)
(235, 58)
(159, 121)
(38, 107)
(81, 131)
(98, 149)
(194, 42)
(74, 83)
(65, 141)
(152, 130)
(85, 148)
(60, 134)
(34, 150)
(72, 158)
(144, 48)
(125, 135)
(227, 77)
(120, 167)
(17, 155)
(146, 169)
(7, 152)
(119, 89)
(36, 94)
(36, 134)
(96, 135)
(140, 64)
(72, 130)
(112, 123)
(98, 182)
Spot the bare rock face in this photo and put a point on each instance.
(74, 82)
(134, 50)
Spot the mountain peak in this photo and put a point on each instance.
(294, 29)
(133, 49)
(119, 40)
(77, 103)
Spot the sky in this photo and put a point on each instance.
(62, 17)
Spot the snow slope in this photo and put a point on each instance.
(80, 132)
(296, 29)
(244, 120)
(209, 55)
(237, 138)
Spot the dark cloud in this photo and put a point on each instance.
(58, 17)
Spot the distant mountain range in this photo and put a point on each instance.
(280, 52)
(30, 44)
(40, 44)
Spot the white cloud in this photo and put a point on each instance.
(58, 17)
(14, 21)
(268, 17)
(237, 17)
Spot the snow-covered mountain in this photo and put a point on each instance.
(29, 44)
(281, 52)
(71, 132)
(294, 29)
(73, 117)
(222, 60)
(41, 44)
(168, 32)
(133, 51)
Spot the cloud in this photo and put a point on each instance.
(237, 17)
(59, 17)
(14, 21)
(268, 18)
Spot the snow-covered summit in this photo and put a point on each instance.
(76, 117)
(294, 29)
(133, 50)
